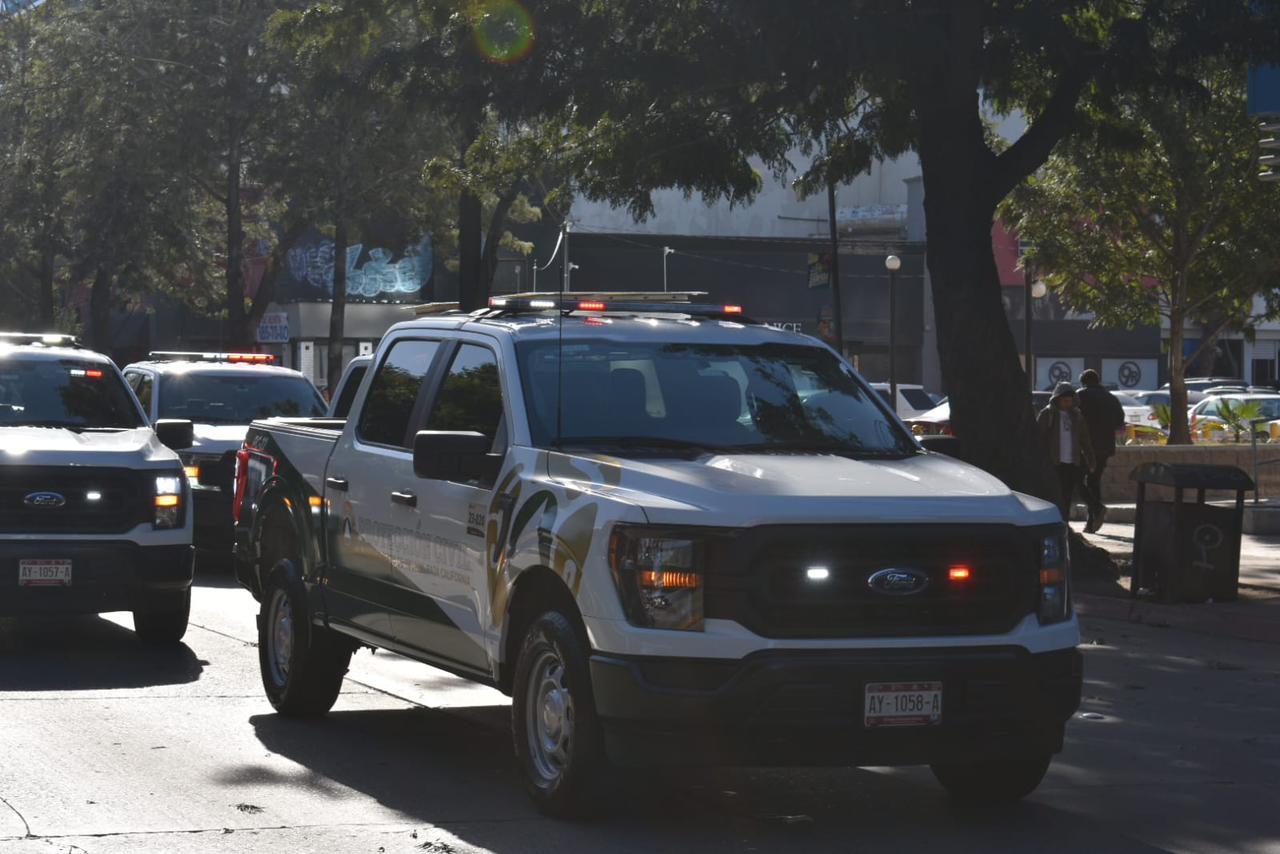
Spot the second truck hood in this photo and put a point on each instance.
(217, 439)
(51, 446)
(751, 489)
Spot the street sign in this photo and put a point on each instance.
(274, 328)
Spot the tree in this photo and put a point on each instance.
(1156, 215)
(355, 145)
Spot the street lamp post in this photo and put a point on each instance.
(666, 250)
(1033, 290)
(893, 263)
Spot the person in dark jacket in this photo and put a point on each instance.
(1065, 439)
(1104, 415)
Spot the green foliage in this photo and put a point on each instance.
(1163, 415)
(1237, 415)
(1155, 214)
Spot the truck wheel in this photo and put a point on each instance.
(163, 626)
(991, 783)
(553, 720)
(302, 664)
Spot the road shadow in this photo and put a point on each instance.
(455, 769)
(86, 652)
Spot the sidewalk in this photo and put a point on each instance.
(1259, 555)
(1255, 616)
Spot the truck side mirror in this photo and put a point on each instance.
(456, 455)
(175, 433)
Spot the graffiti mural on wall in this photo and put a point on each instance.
(311, 265)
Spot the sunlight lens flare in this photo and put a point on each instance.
(504, 31)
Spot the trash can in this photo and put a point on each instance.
(1184, 551)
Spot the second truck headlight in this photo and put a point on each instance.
(659, 577)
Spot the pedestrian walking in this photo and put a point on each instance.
(1065, 439)
(1104, 416)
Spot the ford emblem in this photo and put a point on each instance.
(898, 582)
(44, 499)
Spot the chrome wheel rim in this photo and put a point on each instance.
(280, 638)
(549, 718)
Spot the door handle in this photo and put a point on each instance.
(338, 483)
(408, 499)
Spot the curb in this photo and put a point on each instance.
(1236, 620)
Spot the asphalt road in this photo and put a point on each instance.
(109, 747)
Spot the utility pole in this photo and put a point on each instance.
(666, 250)
(837, 317)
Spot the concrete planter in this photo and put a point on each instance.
(1118, 488)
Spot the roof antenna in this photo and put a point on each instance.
(564, 286)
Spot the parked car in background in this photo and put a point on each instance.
(913, 400)
(94, 508)
(220, 393)
(937, 421)
(1161, 397)
(1135, 411)
(1207, 415)
(1203, 384)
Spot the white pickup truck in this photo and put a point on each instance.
(95, 512)
(672, 535)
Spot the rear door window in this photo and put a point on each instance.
(918, 398)
(393, 394)
(347, 395)
(470, 397)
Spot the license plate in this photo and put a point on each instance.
(902, 704)
(44, 573)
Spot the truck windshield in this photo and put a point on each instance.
(227, 398)
(756, 398)
(64, 393)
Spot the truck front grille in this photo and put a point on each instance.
(93, 500)
(760, 579)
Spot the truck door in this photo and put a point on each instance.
(367, 527)
(446, 566)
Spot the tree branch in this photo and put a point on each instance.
(1033, 148)
(1209, 340)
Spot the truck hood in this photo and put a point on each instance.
(754, 489)
(49, 446)
(217, 439)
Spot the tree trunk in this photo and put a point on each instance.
(237, 331)
(47, 318)
(338, 311)
(1179, 433)
(471, 287)
(981, 369)
(471, 294)
(100, 311)
(492, 243)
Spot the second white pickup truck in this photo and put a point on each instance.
(672, 535)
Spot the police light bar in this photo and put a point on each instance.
(646, 302)
(185, 356)
(40, 339)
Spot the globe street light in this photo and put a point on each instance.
(893, 263)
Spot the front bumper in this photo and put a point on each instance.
(106, 575)
(806, 708)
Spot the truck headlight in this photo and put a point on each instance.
(1055, 578)
(659, 577)
(168, 501)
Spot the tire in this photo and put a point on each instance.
(302, 664)
(553, 720)
(163, 626)
(993, 783)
